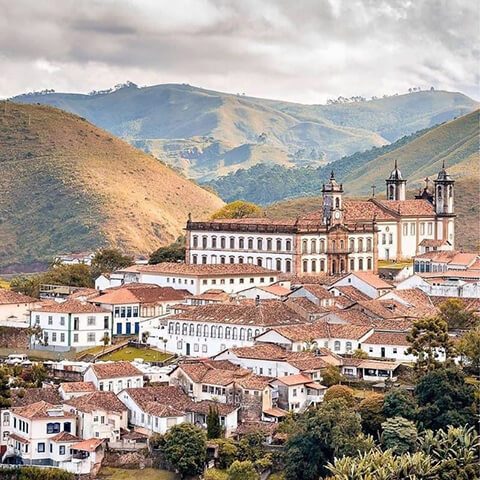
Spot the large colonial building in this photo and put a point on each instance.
(345, 236)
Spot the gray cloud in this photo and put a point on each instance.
(304, 50)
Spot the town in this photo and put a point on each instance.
(262, 324)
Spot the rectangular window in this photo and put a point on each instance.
(41, 447)
(90, 337)
(422, 228)
(135, 311)
(105, 322)
(62, 321)
(412, 229)
(90, 321)
(204, 348)
(129, 312)
(62, 338)
(54, 337)
(405, 229)
(430, 228)
(61, 450)
(390, 238)
(384, 238)
(75, 338)
(123, 312)
(117, 312)
(50, 320)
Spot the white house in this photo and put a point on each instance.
(368, 283)
(442, 261)
(81, 258)
(209, 329)
(134, 303)
(113, 376)
(391, 345)
(196, 278)
(276, 291)
(100, 415)
(71, 390)
(316, 293)
(157, 409)
(461, 284)
(71, 324)
(15, 308)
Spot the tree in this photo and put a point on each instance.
(237, 209)
(340, 392)
(331, 430)
(105, 340)
(444, 398)
(108, 260)
(250, 447)
(429, 338)
(185, 449)
(214, 429)
(399, 434)
(227, 452)
(331, 376)
(5, 393)
(399, 402)
(457, 315)
(175, 252)
(242, 471)
(469, 349)
(359, 353)
(371, 411)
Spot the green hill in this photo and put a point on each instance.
(418, 155)
(66, 186)
(206, 133)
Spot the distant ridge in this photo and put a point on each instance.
(66, 186)
(205, 134)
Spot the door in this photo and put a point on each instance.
(129, 328)
(137, 328)
(119, 328)
(382, 352)
(187, 346)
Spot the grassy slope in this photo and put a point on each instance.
(67, 185)
(217, 123)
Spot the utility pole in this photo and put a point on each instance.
(373, 191)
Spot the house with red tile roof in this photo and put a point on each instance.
(15, 308)
(367, 283)
(113, 376)
(71, 324)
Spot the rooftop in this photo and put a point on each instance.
(387, 338)
(97, 400)
(41, 410)
(8, 297)
(77, 387)
(144, 294)
(115, 370)
(70, 306)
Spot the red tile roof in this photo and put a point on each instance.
(168, 401)
(26, 396)
(318, 291)
(76, 387)
(64, 437)
(292, 380)
(373, 280)
(89, 445)
(408, 208)
(71, 306)
(352, 293)
(202, 270)
(38, 410)
(115, 370)
(387, 338)
(9, 297)
(143, 295)
(90, 402)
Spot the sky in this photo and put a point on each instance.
(298, 50)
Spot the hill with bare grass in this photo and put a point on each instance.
(66, 185)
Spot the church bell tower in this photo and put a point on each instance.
(332, 202)
(396, 185)
(444, 206)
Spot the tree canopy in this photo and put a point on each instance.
(108, 260)
(238, 209)
(175, 252)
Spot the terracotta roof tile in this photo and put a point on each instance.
(352, 293)
(143, 295)
(39, 410)
(373, 280)
(23, 397)
(65, 437)
(70, 387)
(71, 306)
(115, 370)
(318, 291)
(387, 338)
(291, 380)
(413, 207)
(89, 445)
(8, 297)
(97, 400)
(165, 401)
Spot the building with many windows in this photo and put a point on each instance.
(344, 236)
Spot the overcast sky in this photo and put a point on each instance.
(298, 50)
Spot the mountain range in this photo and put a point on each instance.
(206, 134)
(66, 185)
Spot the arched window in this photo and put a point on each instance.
(250, 260)
(228, 332)
(220, 332)
(337, 203)
(342, 265)
(352, 264)
(191, 330)
(304, 246)
(232, 242)
(360, 263)
(194, 259)
(369, 263)
(240, 259)
(204, 241)
(322, 246)
(313, 246)
(305, 266)
(439, 191)
(214, 259)
(369, 244)
(259, 262)
(199, 330)
(288, 245)
(348, 347)
(222, 259)
(334, 245)
(195, 241)
(222, 242)
(259, 244)
(232, 259)
(279, 265)
(171, 327)
(342, 245)
(213, 331)
(234, 333)
(391, 194)
(279, 244)
(257, 332)
(242, 334)
(314, 266)
(205, 330)
(241, 242)
(249, 334)
(360, 244)
(184, 328)
(450, 191)
(250, 243)
(177, 328)
(352, 244)
(269, 243)
(322, 265)
(336, 345)
(214, 242)
(288, 266)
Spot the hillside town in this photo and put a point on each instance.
(262, 322)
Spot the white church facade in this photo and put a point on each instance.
(345, 236)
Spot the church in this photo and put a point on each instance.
(344, 236)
